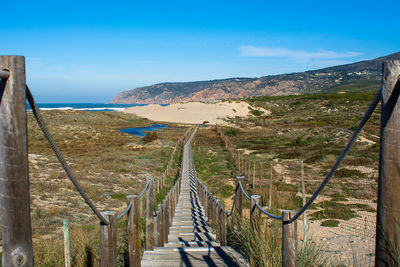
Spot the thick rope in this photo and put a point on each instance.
(354, 137)
(60, 156)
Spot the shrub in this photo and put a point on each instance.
(149, 137)
(330, 223)
(256, 112)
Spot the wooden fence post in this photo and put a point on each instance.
(216, 217)
(239, 197)
(254, 222)
(254, 212)
(289, 239)
(150, 216)
(165, 220)
(388, 213)
(222, 227)
(14, 182)
(254, 175)
(270, 186)
(160, 228)
(133, 231)
(108, 240)
(67, 251)
(303, 193)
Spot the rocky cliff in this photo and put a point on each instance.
(295, 83)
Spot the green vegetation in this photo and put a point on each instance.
(330, 223)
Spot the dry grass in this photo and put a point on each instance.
(108, 164)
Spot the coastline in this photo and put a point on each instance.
(194, 112)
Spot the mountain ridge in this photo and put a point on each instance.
(320, 80)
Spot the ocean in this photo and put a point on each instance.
(84, 106)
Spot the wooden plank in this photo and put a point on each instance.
(14, 178)
(388, 213)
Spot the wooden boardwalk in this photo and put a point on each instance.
(191, 240)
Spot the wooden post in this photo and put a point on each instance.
(303, 193)
(254, 175)
(160, 228)
(239, 197)
(150, 216)
(222, 227)
(260, 179)
(133, 231)
(157, 231)
(14, 182)
(216, 217)
(270, 186)
(254, 212)
(165, 221)
(388, 212)
(289, 239)
(254, 223)
(108, 240)
(67, 251)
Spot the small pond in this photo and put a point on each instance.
(139, 131)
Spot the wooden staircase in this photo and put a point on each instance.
(191, 241)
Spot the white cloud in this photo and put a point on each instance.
(298, 55)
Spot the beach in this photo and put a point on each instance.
(194, 112)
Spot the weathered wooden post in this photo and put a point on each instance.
(157, 219)
(165, 220)
(160, 229)
(260, 179)
(133, 231)
(289, 239)
(210, 209)
(67, 251)
(388, 213)
(239, 197)
(254, 212)
(216, 217)
(254, 222)
(14, 182)
(270, 186)
(150, 216)
(108, 240)
(254, 175)
(303, 193)
(222, 227)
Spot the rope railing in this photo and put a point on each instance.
(368, 113)
(60, 156)
(130, 204)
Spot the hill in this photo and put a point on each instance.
(363, 74)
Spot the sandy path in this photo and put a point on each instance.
(193, 112)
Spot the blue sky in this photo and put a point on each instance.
(90, 51)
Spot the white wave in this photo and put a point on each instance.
(63, 108)
(104, 108)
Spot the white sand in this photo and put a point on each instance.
(193, 112)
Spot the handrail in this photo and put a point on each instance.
(268, 214)
(130, 204)
(144, 190)
(243, 191)
(344, 152)
(124, 212)
(60, 156)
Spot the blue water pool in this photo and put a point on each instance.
(139, 131)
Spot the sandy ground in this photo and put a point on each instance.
(193, 112)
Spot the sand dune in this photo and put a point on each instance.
(193, 112)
